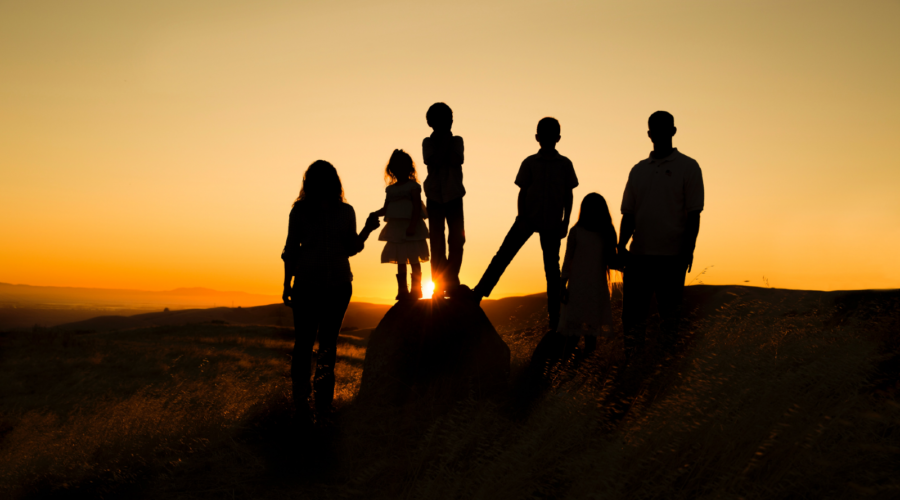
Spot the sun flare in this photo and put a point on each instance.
(427, 289)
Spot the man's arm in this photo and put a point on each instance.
(626, 231)
(689, 240)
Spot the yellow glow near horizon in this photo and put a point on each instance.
(150, 145)
(427, 289)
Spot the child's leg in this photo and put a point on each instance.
(515, 239)
(402, 290)
(415, 285)
(550, 247)
(456, 238)
(436, 218)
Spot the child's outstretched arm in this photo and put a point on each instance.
(380, 213)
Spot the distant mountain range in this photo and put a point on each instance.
(506, 314)
(103, 309)
(63, 297)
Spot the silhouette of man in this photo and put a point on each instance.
(545, 181)
(661, 212)
(443, 153)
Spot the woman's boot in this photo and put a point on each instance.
(402, 291)
(415, 288)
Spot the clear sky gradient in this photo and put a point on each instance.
(155, 145)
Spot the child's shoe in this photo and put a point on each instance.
(402, 291)
(415, 287)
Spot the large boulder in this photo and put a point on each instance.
(442, 349)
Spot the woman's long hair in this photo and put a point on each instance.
(321, 183)
(594, 216)
(400, 161)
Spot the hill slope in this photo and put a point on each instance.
(772, 394)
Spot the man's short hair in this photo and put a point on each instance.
(661, 120)
(439, 114)
(548, 127)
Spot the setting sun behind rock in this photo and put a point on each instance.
(427, 289)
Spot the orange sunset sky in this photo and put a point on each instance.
(160, 144)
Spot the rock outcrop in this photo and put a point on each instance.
(442, 349)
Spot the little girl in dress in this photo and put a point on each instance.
(590, 253)
(405, 231)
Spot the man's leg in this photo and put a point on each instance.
(517, 236)
(669, 295)
(637, 292)
(550, 246)
(436, 216)
(334, 305)
(306, 324)
(456, 238)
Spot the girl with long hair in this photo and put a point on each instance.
(405, 232)
(321, 237)
(585, 275)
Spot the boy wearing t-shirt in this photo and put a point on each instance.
(545, 181)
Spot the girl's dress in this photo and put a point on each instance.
(588, 308)
(399, 246)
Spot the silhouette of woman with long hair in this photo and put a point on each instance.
(321, 237)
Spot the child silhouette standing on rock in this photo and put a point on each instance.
(405, 231)
(444, 191)
(545, 181)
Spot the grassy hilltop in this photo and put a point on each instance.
(774, 394)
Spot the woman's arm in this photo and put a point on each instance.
(356, 242)
(289, 255)
(288, 275)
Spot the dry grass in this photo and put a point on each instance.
(774, 395)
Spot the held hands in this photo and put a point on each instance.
(564, 229)
(286, 296)
(372, 223)
(564, 295)
(621, 258)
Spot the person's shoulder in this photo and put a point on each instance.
(346, 208)
(564, 160)
(687, 161)
(426, 141)
(645, 163)
(531, 158)
(298, 207)
(458, 139)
